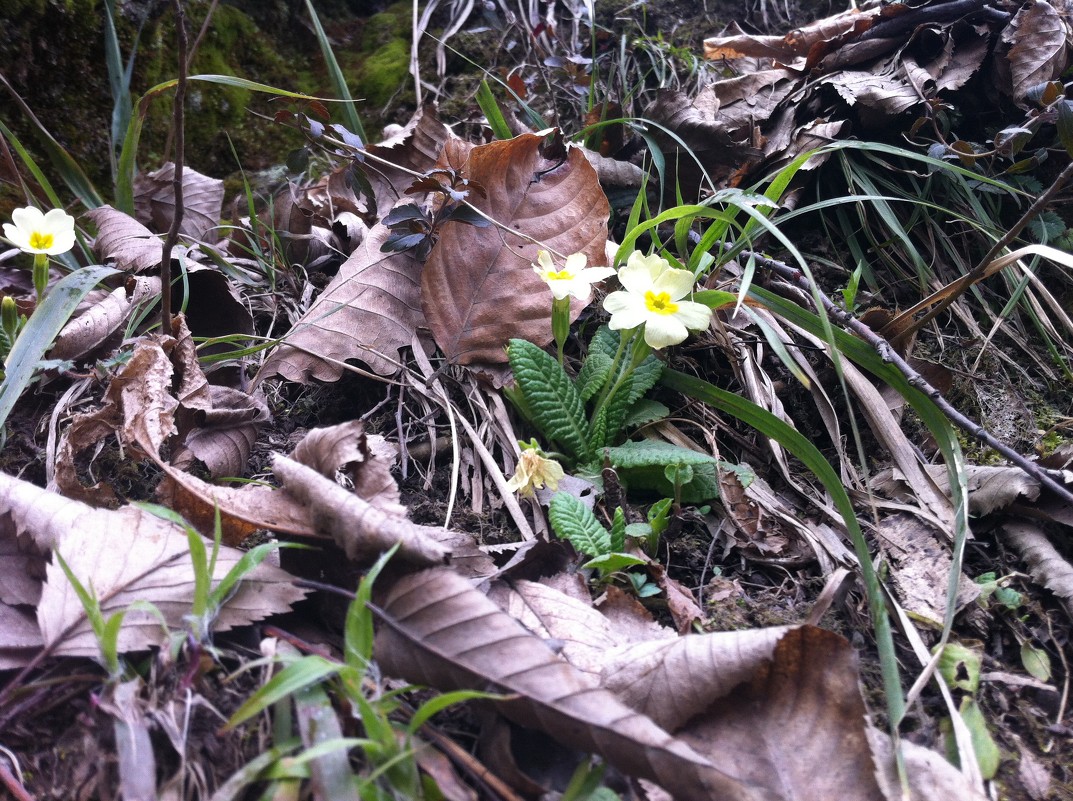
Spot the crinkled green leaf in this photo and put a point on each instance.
(650, 453)
(618, 530)
(572, 520)
(594, 374)
(650, 465)
(644, 411)
(598, 431)
(551, 398)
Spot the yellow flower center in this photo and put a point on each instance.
(661, 303)
(39, 241)
(561, 275)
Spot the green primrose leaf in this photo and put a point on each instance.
(650, 465)
(612, 563)
(1036, 661)
(594, 374)
(618, 530)
(644, 411)
(572, 520)
(551, 398)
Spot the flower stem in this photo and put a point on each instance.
(639, 352)
(40, 275)
(560, 324)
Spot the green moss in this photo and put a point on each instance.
(384, 72)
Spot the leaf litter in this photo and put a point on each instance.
(746, 714)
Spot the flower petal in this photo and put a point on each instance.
(662, 330)
(694, 316)
(544, 260)
(28, 219)
(635, 276)
(575, 263)
(676, 283)
(58, 221)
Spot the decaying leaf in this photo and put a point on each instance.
(441, 631)
(476, 304)
(121, 238)
(124, 556)
(369, 311)
(203, 201)
(1045, 563)
(990, 488)
(1038, 39)
(102, 321)
(920, 565)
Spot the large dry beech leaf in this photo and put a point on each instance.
(1039, 47)
(203, 202)
(103, 320)
(369, 311)
(478, 288)
(771, 713)
(121, 238)
(125, 556)
(441, 631)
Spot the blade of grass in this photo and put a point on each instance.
(41, 329)
(335, 73)
(498, 123)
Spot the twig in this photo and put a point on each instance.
(177, 179)
(888, 354)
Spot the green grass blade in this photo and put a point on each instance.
(41, 329)
(297, 675)
(31, 165)
(796, 443)
(486, 100)
(350, 109)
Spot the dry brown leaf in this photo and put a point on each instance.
(121, 238)
(478, 288)
(223, 435)
(439, 630)
(203, 202)
(990, 488)
(1047, 566)
(369, 311)
(416, 147)
(102, 321)
(1039, 47)
(125, 556)
(920, 564)
(357, 526)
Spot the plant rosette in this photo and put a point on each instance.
(42, 235)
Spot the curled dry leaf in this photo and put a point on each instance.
(223, 434)
(203, 201)
(765, 705)
(358, 527)
(1045, 563)
(121, 238)
(990, 488)
(1038, 39)
(478, 288)
(126, 556)
(103, 320)
(441, 631)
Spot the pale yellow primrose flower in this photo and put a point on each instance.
(652, 295)
(533, 472)
(574, 279)
(46, 234)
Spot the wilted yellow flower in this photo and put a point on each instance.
(652, 296)
(45, 234)
(534, 471)
(574, 279)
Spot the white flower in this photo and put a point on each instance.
(48, 234)
(575, 279)
(652, 296)
(533, 472)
